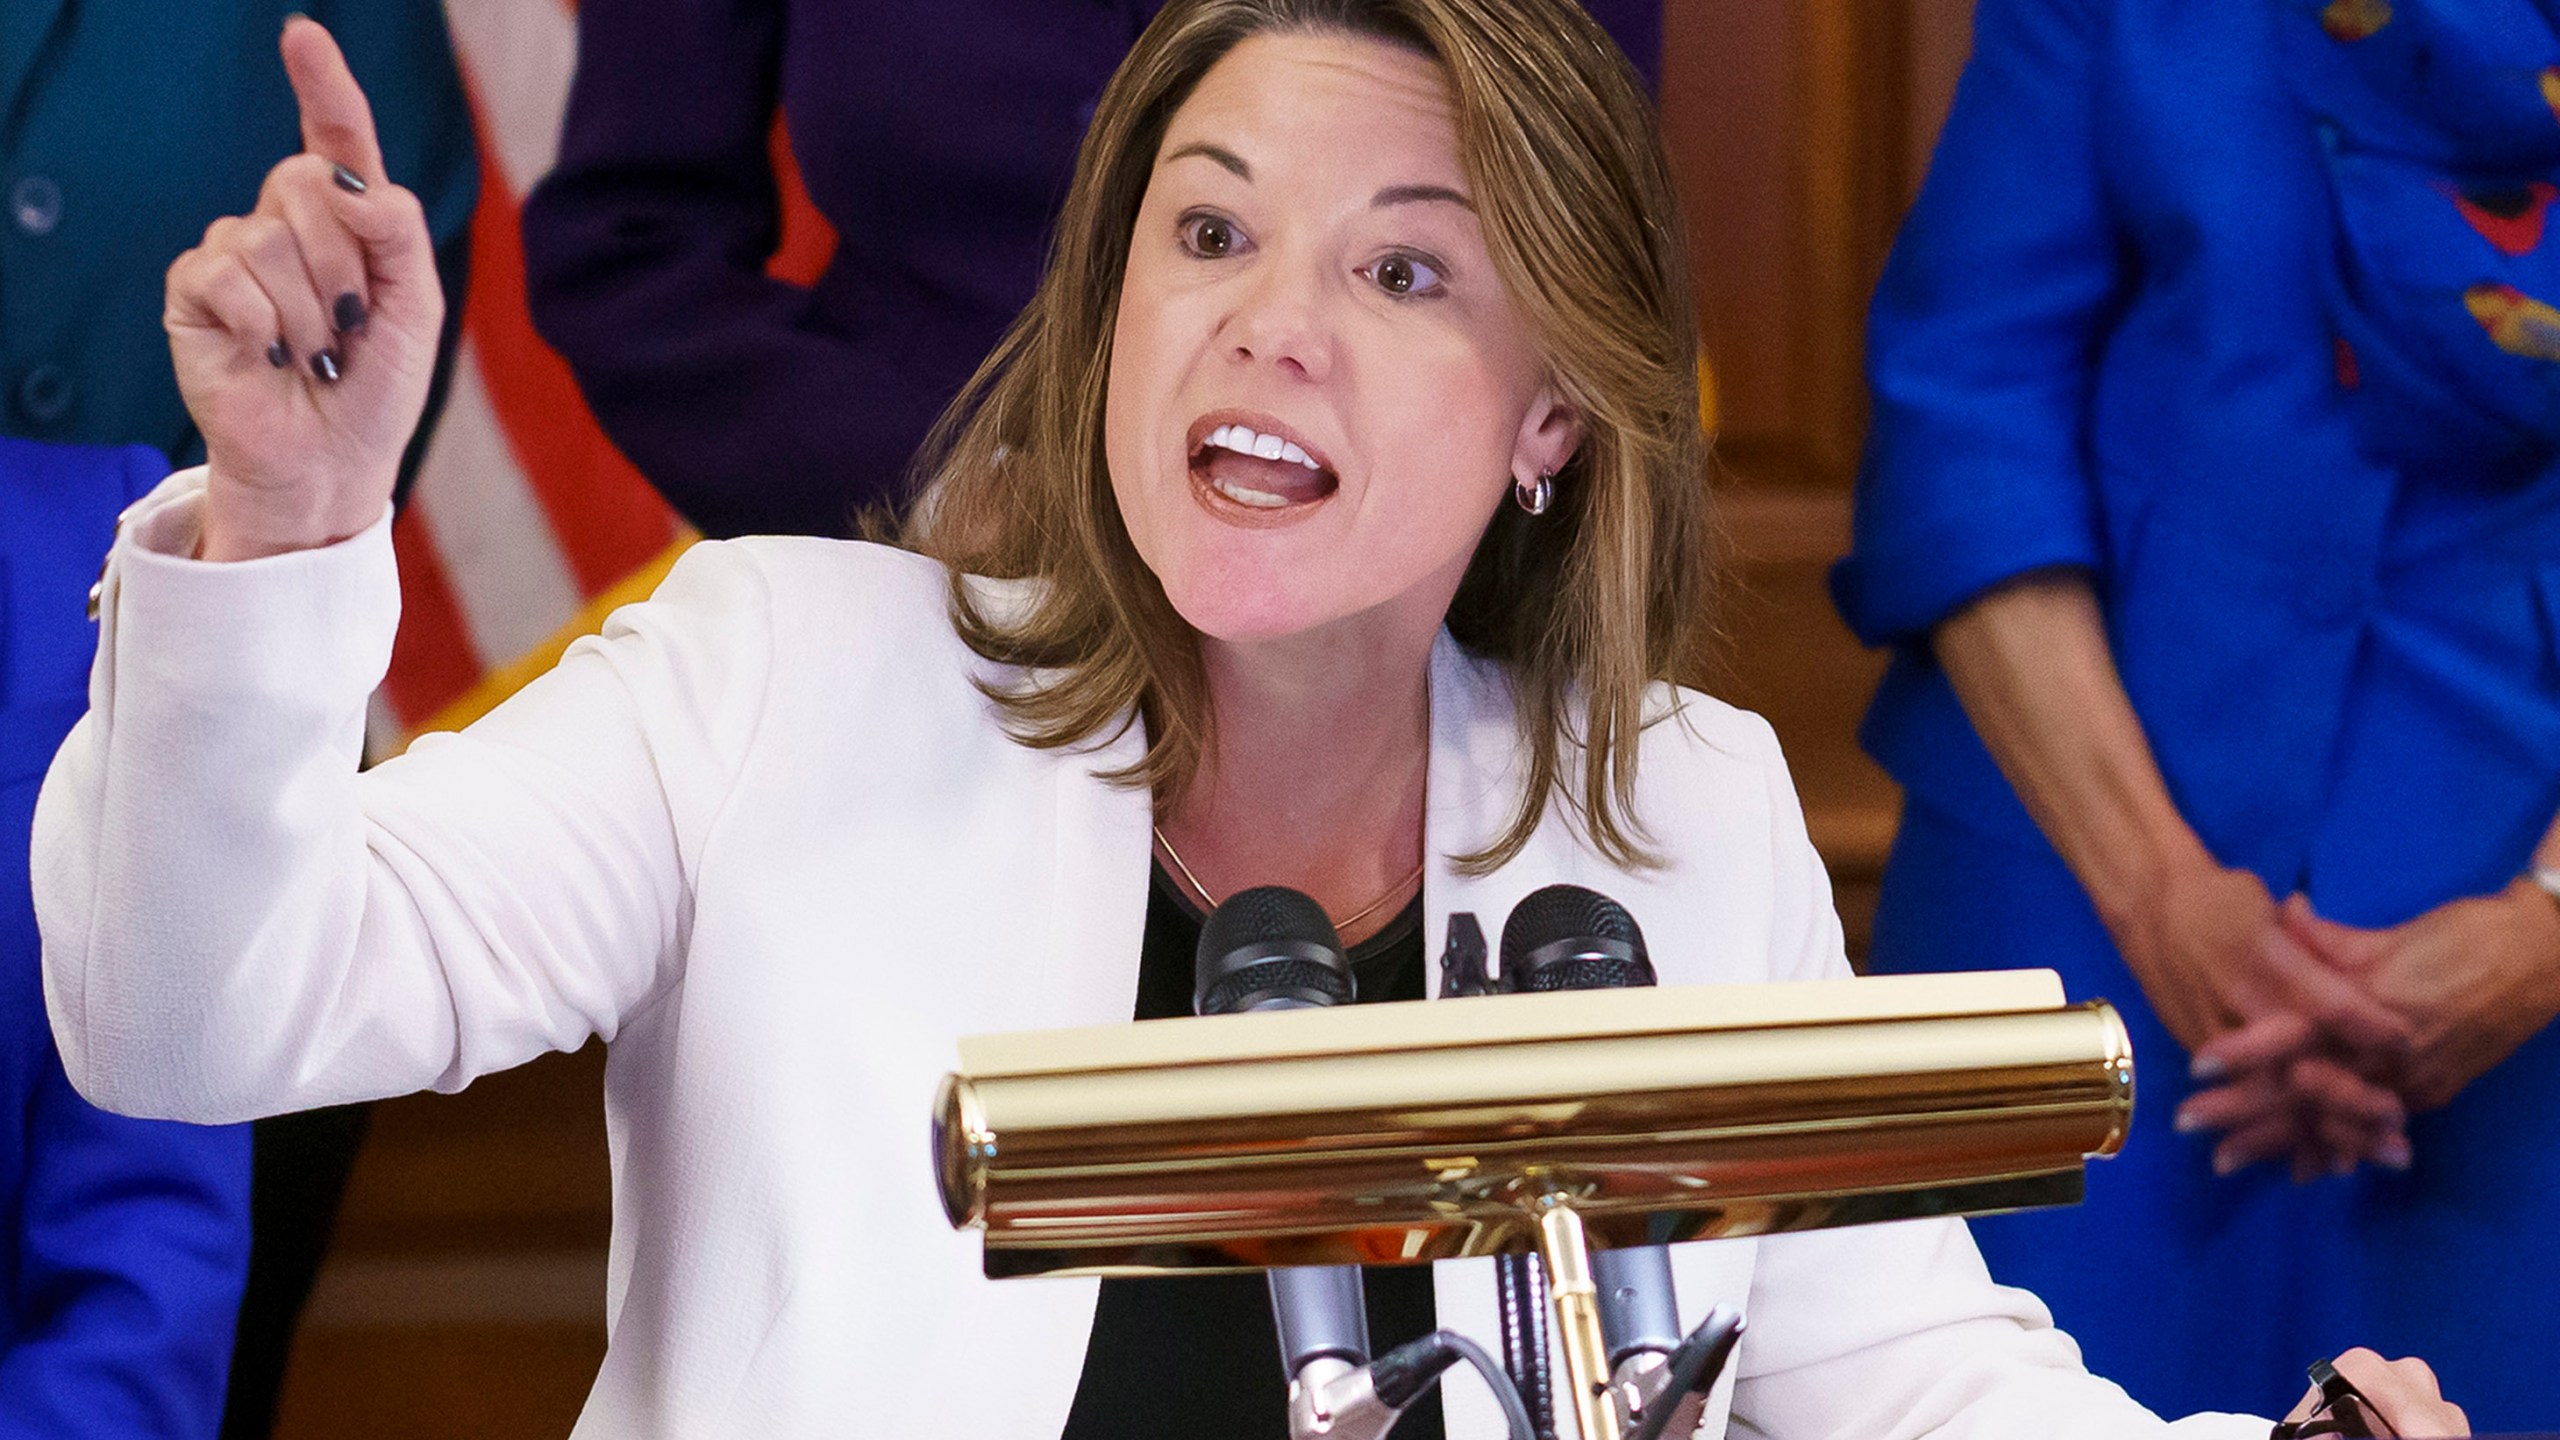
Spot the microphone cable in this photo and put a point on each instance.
(1402, 1374)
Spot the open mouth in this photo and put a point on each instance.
(1257, 466)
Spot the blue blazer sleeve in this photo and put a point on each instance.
(1981, 341)
(123, 1243)
(133, 1244)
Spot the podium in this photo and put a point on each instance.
(1555, 1124)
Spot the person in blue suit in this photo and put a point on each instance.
(2212, 512)
(123, 1243)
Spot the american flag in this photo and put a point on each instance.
(526, 525)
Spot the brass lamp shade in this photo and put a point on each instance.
(1411, 1132)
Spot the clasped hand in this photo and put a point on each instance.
(2316, 1039)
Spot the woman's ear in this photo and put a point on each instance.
(1549, 434)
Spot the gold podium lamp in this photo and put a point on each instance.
(1558, 1123)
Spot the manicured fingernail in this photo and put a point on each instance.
(2187, 1123)
(347, 180)
(2224, 1164)
(292, 15)
(2393, 1155)
(2207, 1067)
(279, 354)
(325, 365)
(348, 313)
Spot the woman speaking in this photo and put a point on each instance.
(1327, 520)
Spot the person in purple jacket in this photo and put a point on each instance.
(937, 137)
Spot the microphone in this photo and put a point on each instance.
(1268, 948)
(1566, 937)
(1271, 948)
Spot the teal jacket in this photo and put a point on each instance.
(126, 127)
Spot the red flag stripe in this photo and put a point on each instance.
(610, 531)
(607, 518)
(808, 241)
(431, 660)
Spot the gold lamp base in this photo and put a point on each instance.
(1400, 1134)
(1566, 1251)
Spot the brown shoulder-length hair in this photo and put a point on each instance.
(1584, 606)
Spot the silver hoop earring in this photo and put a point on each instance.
(1536, 495)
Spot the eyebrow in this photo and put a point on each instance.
(1233, 164)
(1412, 194)
(1226, 160)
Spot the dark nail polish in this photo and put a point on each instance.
(279, 354)
(325, 365)
(348, 312)
(347, 180)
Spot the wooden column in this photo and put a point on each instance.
(1799, 130)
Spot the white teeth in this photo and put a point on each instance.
(1244, 441)
(1258, 499)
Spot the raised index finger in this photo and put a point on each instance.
(337, 123)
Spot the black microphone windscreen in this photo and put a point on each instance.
(1268, 946)
(1272, 948)
(1568, 937)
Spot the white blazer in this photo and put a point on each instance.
(766, 838)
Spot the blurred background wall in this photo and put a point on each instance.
(1800, 130)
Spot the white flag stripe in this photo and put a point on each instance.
(518, 56)
(504, 568)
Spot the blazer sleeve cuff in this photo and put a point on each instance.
(317, 620)
(1894, 595)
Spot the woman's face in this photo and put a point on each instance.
(1319, 388)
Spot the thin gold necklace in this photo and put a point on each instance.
(1344, 923)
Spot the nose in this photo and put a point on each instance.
(1281, 319)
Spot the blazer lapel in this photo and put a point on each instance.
(1086, 974)
(1098, 904)
(1476, 776)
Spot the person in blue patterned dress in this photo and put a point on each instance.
(2212, 511)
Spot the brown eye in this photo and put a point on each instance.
(1404, 275)
(1209, 236)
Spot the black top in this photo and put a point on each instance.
(1198, 1355)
